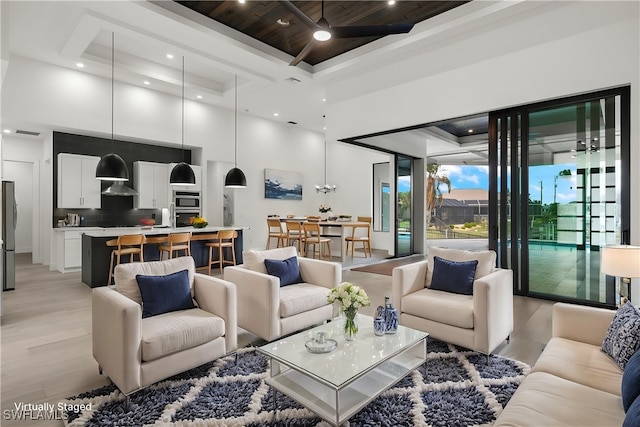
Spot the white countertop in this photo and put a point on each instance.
(117, 231)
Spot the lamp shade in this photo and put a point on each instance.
(620, 260)
(112, 168)
(235, 179)
(182, 174)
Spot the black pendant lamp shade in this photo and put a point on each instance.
(112, 167)
(235, 177)
(182, 174)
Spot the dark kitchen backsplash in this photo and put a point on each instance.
(115, 210)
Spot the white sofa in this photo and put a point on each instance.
(270, 311)
(573, 383)
(136, 352)
(479, 322)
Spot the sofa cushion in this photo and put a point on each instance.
(630, 389)
(178, 330)
(623, 336)
(162, 294)
(581, 363)
(287, 270)
(486, 260)
(452, 276)
(301, 297)
(546, 400)
(633, 415)
(254, 260)
(439, 306)
(125, 274)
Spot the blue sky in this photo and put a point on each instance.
(465, 177)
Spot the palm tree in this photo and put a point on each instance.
(434, 194)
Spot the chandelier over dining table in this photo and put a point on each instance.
(326, 188)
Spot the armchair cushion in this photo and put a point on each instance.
(486, 260)
(452, 276)
(177, 331)
(301, 297)
(442, 307)
(162, 294)
(623, 336)
(125, 274)
(254, 260)
(287, 270)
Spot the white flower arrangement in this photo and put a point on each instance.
(349, 296)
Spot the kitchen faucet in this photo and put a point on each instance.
(172, 214)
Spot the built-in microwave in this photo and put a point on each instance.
(187, 200)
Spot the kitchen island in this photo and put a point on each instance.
(96, 254)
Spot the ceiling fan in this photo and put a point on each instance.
(322, 31)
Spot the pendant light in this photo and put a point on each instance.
(326, 188)
(235, 177)
(112, 167)
(182, 174)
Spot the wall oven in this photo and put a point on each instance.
(185, 216)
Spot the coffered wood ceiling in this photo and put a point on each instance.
(259, 20)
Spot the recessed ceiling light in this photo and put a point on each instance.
(391, 2)
(241, 1)
(324, 128)
(147, 82)
(324, 99)
(283, 22)
(7, 131)
(199, 96)
(169, 56)
(276, 114)
(470, 131)
(79, 65)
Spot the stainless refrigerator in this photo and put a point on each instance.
(9, 220)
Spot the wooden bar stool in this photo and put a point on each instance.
(226, 239)
(176, 242)
(295, 234)
(357, 237)
(274, 227)
(127, 244)
(313, 237)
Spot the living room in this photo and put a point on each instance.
(479, 57)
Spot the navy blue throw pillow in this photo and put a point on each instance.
(632, 419)
(631, 381)
(287, 270)
(452, 276)
(162, 294)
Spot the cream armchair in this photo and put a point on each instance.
(136, 352)
(270, 311)
(479, 322)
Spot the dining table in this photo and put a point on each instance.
(333, 229)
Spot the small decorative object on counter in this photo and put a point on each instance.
(379, 326)
(390, 317)
(351, 298)
(199, 222)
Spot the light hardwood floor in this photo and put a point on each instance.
(46, 334)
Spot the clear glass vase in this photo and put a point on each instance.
(350, 325)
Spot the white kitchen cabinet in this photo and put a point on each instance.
(197, 171)
(77, 183)
(151, 180)
(67, 248)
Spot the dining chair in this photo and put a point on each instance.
(126, 244)
(274, 226)
(295, 234)
(358, 235)
(313, 237)
(176, 242)
(225, 239)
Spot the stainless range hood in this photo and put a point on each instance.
(119, 189)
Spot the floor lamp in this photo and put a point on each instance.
(622, 261)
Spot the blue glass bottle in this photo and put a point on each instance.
(390, 317)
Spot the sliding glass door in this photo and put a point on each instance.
(404, 235)
(561, 193)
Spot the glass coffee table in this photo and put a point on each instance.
(337, 384)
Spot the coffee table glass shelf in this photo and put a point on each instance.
(336, 385)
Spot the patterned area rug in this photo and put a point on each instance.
(457, 388)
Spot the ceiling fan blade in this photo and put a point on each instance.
(299, 14)
(370, 30)
(304, 52)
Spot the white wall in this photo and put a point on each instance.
(71, 101)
